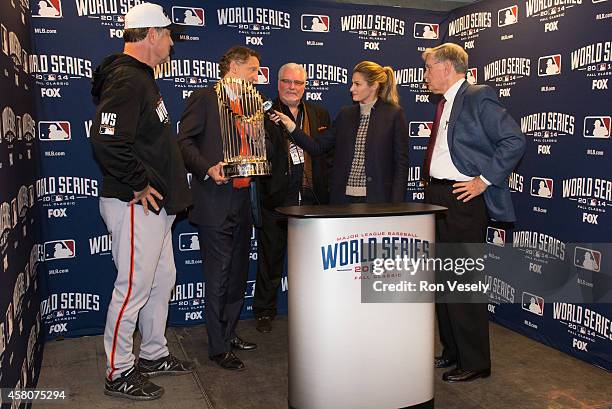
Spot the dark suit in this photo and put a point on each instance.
(386, 157)
(223, 216)
(281, 189)
(483, 139)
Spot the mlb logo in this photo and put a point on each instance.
(533, 303)
(47, 8)
(54, 131)
(597, 127)
(317, 23)
(59, 249)
(314, 83)
(50, 77)
(188, 16)
(541, 187)
(420, 129)
(263, 76)
(472, 75)
(189, 242)
(507, 16)
(426, 30)
(496, 236)
(119, 18)
(549, 65)
(587, 259)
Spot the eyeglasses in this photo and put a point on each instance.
(288, 82)
(429, 67)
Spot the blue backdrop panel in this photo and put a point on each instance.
(510, 46)
(72, 40)
(550, 63)
(20, 249)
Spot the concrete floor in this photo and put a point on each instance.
(526, 375)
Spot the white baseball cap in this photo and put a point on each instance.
(146, 15)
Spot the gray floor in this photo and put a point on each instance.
(526, 375)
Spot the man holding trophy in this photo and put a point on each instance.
(222, 139)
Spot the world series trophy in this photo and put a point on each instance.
(242, 128)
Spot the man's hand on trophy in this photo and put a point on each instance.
(284, 120)
(216, 173)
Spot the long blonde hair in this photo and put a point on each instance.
(384, 76)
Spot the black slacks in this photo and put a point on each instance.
(463, 327)
(225, 260)
(272, 247)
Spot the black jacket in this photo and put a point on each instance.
(202, 147)
(131, 135)
(386, 161)
(274, 188)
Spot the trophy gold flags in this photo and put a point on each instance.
(242, 128)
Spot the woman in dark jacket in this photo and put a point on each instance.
(370, 140)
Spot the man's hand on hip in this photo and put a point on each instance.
(469, 190)
(147, 197)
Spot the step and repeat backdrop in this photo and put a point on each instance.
(550, 62)
(20, 245)
(72, 37)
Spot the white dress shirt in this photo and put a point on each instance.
(442, 166)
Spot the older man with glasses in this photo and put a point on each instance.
(297, 179)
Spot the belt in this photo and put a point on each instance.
(444, 182)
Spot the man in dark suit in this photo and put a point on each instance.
(296, 179)
(473, 147)
(222, 210)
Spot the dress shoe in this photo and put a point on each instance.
(228, 360)
(459, 375)
(263, 324)
(241, 344)
(440, 362)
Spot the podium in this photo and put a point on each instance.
(345, 353)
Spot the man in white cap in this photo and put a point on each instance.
(144, 187)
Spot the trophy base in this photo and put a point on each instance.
(247, 169)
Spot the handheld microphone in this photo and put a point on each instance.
(267, 108)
